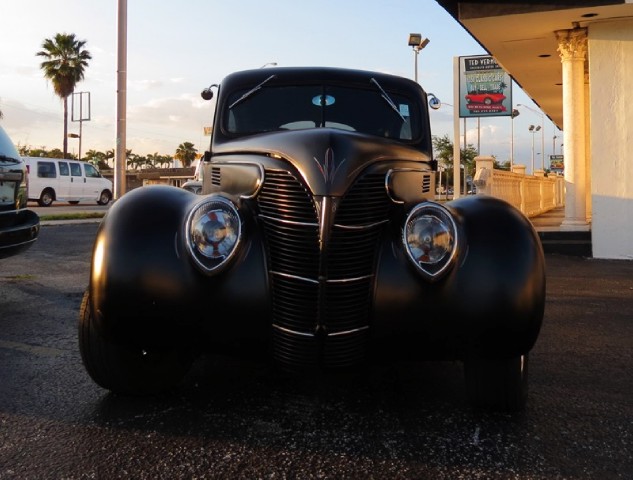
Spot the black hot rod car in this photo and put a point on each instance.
(317, 244)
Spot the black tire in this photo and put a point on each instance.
(105, 197)
(46, 198)
(125, 369)
(500, 384)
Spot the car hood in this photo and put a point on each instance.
(329, 159)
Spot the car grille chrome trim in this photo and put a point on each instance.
(347, 332)
(292, 222)
(321, 272)
(309, 334)
(360, 227)
(311, 280)
(293, 332)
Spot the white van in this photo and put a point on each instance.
(71, 181)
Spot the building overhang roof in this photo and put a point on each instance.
(521, 36)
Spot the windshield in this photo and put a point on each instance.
(8, 151)
(368, 110)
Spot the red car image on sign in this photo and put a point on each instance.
(485, 98)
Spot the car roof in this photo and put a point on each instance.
(316, 75)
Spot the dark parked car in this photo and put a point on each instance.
(316, 244)
(19, 227)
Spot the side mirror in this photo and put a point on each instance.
(207, 93)
(434, 102)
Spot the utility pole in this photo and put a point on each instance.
(120, 159)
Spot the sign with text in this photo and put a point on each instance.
(557, 163)
(485, 89)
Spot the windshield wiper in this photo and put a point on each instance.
(250, 92)
(387, 99)
(11, 159)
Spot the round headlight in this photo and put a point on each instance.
(430, 239)
(213, 232)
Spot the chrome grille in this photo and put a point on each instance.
(365, 203)
(321, 298)
(216, 176)
(285, 199)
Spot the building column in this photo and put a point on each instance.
(588, 159)
(572, 47)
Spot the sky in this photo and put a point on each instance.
(176, 49)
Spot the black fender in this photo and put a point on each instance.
(143, 284)
(491, 302)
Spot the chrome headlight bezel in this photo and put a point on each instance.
(213, 208)
(438, 222)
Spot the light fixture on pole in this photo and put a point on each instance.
(542, 129)
(533, 130)
(515, 113)
(417, 43)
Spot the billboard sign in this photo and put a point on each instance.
(556, 163)
(485, 89)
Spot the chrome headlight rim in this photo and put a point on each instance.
(212, 203)
(437, 270)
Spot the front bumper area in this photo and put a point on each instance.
(18, 231)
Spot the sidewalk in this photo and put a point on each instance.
(558, 239)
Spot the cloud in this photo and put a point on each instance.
(142, 85)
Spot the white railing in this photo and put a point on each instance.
(532, 194)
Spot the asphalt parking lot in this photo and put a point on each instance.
(236, 419)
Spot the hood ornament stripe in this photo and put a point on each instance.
(328, 168)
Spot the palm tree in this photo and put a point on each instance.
(186, 153)
(165, 160)
(64, 67)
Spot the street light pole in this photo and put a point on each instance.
(533, 130)
(121, 102)
(417, 43)
(542, 129)
(415, 63)
(515, 113)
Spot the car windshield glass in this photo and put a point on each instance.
(292, 107)
(8, 153)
